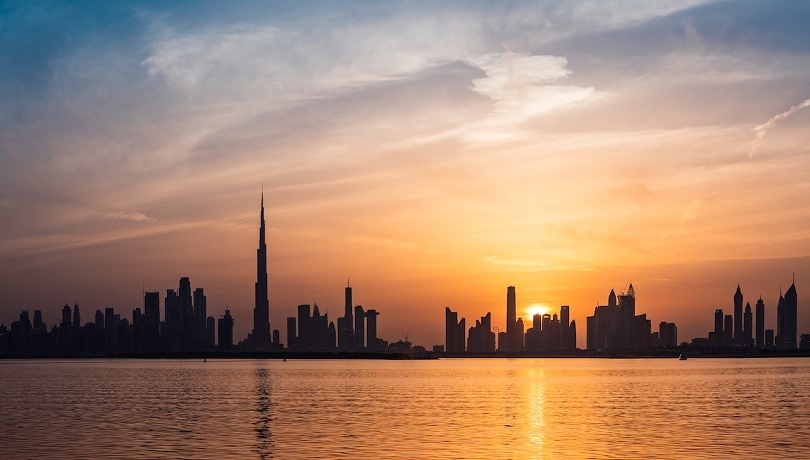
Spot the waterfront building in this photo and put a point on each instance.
(748, 337)
(760, 311)
(454, 330)
(260, 337)
(738, 317)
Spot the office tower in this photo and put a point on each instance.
(210, 332)
(481, 339)
(66, 315)
(668, 334)
(511, 321)
(728, 331)
(77, 316)
(787, 319)
(346, 323)
(186, 313)
(291, 336)
(718, 327)
(99, 323)
(629, 335)
(303, 338)
(261, 311)
(519, 333)
(200, 315)
(453, 331)
(38, 323)
(738, 317)
(572, 330)
(110, 330)
(359, 329)
(760, 311)
(318, 329)
(225, 330)
(331, 336)
(151, 306)
(171, 303)
(565, 328)
(371, 330)
(748, 326)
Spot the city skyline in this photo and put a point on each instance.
(433, 153)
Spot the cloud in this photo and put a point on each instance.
(131, 216)
(761, 130)
(522, 86)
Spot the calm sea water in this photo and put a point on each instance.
(453, 408)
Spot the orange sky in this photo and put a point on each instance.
(433, 154)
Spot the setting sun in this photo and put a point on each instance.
(536, 309)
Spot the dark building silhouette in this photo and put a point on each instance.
(514, 339)
(372, 342)
(481, 338)
(748, 326)
(728, 331)
(668, 334)
(760, 311)
(453, 331)
(346, 333)
(260, 337)
(225, 331)
(787, 319)
(718, 327)
(200, 316)
(738, 317)
(359, 327)
(616, 326)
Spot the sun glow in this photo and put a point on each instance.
(536, 309)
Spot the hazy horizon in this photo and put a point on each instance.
(433, 154)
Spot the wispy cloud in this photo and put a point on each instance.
(131, 216)
(761, 130)
(522, 86)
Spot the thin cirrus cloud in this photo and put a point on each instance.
(761, 130)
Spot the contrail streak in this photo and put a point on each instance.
(761, 130)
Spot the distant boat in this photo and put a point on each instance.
(682, 357)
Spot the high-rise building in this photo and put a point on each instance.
(371, 330)
(512, 336)
(453, 331)
(345, 327)
(225, 331)
(200, 315)
(718, 327)
(748, 326)
(760, 311)
(787, 319)
(668, 334)
(260, 337)
(728, 331)
(738, 317)
(359, 329)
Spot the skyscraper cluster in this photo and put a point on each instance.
(548, 332)
(314, 332)
(616, 326)
(742, 330)
(185, 328)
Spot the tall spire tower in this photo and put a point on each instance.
(261, 312)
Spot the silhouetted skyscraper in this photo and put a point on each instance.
(346, 334)
(738, 317)
(787, 319)
(512, 336)
(200, 315)
(760, 311)
(225, 331)
(260, 337)
(359, 329)
(371, 330)
(748, 326)
(718, 327)
(453, 331)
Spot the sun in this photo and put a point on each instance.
(536, 309)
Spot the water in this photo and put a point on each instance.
(454, 408)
